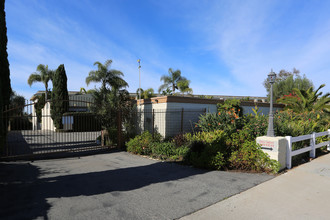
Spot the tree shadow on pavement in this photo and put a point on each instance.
(24, 194)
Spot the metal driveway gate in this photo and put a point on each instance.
(32, 134)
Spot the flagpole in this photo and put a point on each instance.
(139, 61)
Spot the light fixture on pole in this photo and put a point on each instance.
(271, 80)
(139, 61)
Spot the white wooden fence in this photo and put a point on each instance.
(313, 146)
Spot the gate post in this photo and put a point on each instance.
(328, 147)
(153, 122)
(312, 143)
(288, 153)
(119, 130)
(181, 126)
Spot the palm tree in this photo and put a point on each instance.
(106, 76)
(307, 100)
(43, 75)
(171, 80)
(183, 86)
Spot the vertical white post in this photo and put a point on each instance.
(328, 148)
(312, 143)
(288, 152)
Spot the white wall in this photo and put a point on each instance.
(47, 121)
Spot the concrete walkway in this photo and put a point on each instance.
(301, 193)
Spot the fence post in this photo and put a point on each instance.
(312, 143)
(119, 130)
(328, 148)
(288, 152)
(181, 128)
(153, 122)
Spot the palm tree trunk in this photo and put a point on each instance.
(46, 92)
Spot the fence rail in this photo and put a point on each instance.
(311, 149)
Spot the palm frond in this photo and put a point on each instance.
(34, 77)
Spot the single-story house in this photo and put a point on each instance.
(170, 115)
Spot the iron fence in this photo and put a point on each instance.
(31, 132)
(168, 122)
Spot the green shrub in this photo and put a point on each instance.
(256, 124)
(162, 150)
(212, 156)
(238, 138)
(141, 143)
(215, 136)
(167, 150)
(180, 140)
(218, 161)
(207, 149)
(251, 157)
(288, 123)
(231, 104)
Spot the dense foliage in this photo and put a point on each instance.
(112, 104)
(286, 81)
(39, 104)
(60, 97)
(226, 139)
(146, 94)
(301, 100)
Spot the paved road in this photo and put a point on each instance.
(117, 185)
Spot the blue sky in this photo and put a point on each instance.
(223, 47)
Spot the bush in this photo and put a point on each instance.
(211, 156)
(215, 136)
(218, 161)
(228, 120)
(167, 150)
(141, 143)
(256, 124)
(251, 157)
(296, 124)
(207, 150)
(180, 140)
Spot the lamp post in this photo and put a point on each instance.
(139, 61)
(271, 80)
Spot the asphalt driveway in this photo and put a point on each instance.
(116, 185)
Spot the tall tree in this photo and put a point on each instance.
(109, 78)
(111, 98)
(183, 86)
(5, 87)
(307, 100)
(43, 75)
(60, 96)
(17, 103)
(146, 94)
(171, 80)
(286, 81)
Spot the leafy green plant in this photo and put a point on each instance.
(228, 121)
(218, 161)
(257, 125)
(215, 136)
(251, 157)
(167, 150)
(141, 144)
(180, 140)
(231, 104)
